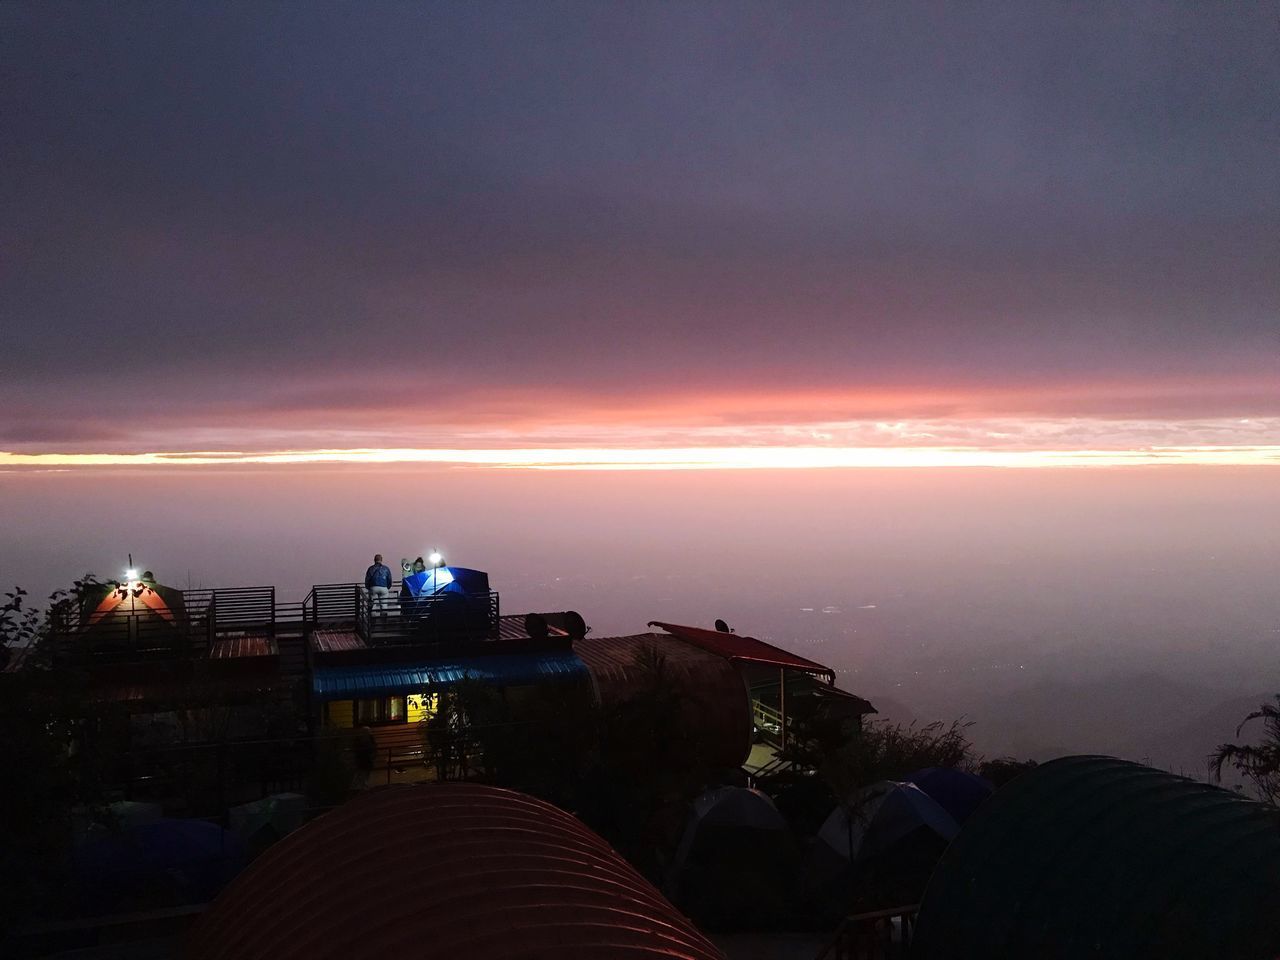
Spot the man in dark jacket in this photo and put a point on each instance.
(377, 580)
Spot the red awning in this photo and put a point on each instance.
(735, 646)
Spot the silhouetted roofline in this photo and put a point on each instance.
(736, 646)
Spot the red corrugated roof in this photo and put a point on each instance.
(249, 645)
(444, 871)
(735, 646)
(331, 641)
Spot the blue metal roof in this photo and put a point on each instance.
(504, 670)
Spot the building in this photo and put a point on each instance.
(215, 696)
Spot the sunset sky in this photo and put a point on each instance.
(1016, 231)
(558, 289)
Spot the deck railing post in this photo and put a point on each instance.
(782, 707)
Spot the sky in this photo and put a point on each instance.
(1013, 230)
(562, 288)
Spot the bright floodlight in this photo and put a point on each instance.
(435, 559)
(131, 574)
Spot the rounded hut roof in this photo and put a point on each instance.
(715, 705)
(445, 870)
(1097, 857)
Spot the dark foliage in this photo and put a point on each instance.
(1258, 763)
(1001, 770)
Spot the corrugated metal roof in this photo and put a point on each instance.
(372, 680)
(735, 646)
(511, 627)
(444, 871)
(714, 700)
(332, 641)
(1101, 858)
(249, 645)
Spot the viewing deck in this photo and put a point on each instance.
(339, 611)
(241, 623)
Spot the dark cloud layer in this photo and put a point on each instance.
(240, 208)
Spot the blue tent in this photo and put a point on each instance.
(448, 599)
(879, 816)
(446, 580)
(955, 791)
(162, 863)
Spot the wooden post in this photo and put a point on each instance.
(782, 707)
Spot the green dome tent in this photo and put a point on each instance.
(1101, 858)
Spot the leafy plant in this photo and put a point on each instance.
(1259, 763)
(889, 751)
(19, 624)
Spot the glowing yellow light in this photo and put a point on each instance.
(684, 458)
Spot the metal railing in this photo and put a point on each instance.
(879, 935)
(132, 636)
(208, 615)
(332, 603)
(240, 610)
(768, 721)
(184, 630)
(442, 616)
(399, 619)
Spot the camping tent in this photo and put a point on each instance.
(262, 822)
(1093, 857)
(156, 864)
(878, 817)
(135, 612)
(450, 599)
(736, 859)
(956, 791)
(876, 850)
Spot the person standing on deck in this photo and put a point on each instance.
(377, 580)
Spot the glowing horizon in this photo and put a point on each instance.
(680, 458)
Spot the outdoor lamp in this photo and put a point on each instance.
(131, 574)
(435, 559)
